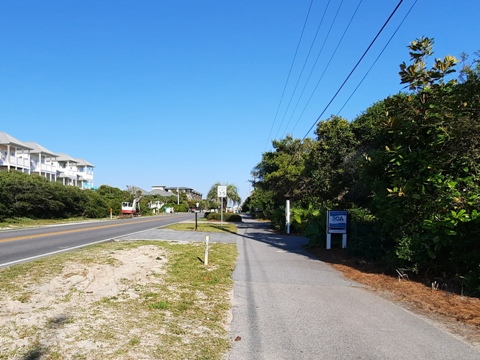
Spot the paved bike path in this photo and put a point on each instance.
(289, 305)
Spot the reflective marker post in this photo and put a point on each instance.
(207, 240)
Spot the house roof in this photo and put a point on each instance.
(65, 176)
(160, 192)
(83, 162)
(152, 192)
(10, 140)
(37, 149)
(183, 188)
(177, 187)
(65, 157)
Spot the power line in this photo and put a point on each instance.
(354, 68)
(321, 77)
(378, 57)
(289, 72)
(305, 62)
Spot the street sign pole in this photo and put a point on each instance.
(221, 193)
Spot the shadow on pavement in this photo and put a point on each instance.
(263, 232)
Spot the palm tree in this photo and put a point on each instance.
(232, 194)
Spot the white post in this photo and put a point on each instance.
(287, 213)
(221, 211)
(207, 239)
(344, 241)
(329, 241)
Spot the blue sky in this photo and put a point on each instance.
(186, 93)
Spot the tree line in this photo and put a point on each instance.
(406, 169)
(32, 196)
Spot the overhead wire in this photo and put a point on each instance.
(321, 77)
(305, 63)
(354, 68)
(378, 57)
(289, 72)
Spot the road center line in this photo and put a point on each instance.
(25, 237)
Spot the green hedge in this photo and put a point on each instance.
(226, 217)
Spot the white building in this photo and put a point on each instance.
(14, 154)
(42, 161)
(32, 158)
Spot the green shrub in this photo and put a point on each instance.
(229, 217)
(180, 208)
(364, 239)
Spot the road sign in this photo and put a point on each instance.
(337, 222)
(222, 191)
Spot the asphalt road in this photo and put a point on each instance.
(289, 305)
(27, 244)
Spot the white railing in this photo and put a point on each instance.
(48, 167)
(15, 161)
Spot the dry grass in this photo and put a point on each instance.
(460, 314)
(203, 227)
(126, 300)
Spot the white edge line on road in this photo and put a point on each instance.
(71, 248)
(52, 253)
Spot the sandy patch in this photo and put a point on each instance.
(69, 313)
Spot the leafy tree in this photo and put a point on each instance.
(113, 197)
(329, 163)
(232, 194)
(281, 171)
(425, 190)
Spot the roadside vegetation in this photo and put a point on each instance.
(24, 196)
(27, 222)
(406, 170)
(125, 300)
(26, 199)
(203, 227)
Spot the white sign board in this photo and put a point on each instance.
(222, 191)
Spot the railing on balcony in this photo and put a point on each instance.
(36, 167)
(14, 161)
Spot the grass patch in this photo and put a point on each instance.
(23, 222)
(203, 227)
(163, 305)
(176, 311)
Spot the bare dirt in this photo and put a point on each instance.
(457, 314)
(46, 321)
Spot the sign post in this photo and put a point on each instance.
(221, 193)
(287, 215)
(336, 224)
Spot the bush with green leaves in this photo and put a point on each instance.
(229, 217)
(408, 170)
(33, 196)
